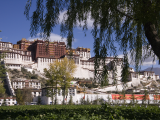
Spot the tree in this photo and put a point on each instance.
(4, 102)
(60, 72)
(71, 100)
(81, 101)
(125, 70)
(123, 97)
(2, 74)
(131, 21)
(2, 90)
(88, 101)
(54, 77)
(2, 67)
(96, 101)
(145, 97)
(156, 97)
(19, 97)
(124, 22)
(133, 98)
(27, 95)
(68, 68)
(24, 96)
(39, 100)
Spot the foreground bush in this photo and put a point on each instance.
(79, 112)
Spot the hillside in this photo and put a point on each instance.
(13, 74)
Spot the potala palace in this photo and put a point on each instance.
(38, 54)
(33, 56)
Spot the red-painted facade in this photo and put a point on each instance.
(129, 97)
(40, 48)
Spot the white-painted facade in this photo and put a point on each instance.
(77, 98)
(47, 100)
(36, 94)
(16, 58)
(23, 83)
(33, 85)
(136, 77)
(8, 101)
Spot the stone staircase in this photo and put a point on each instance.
(8, 86)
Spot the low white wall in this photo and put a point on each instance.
(91, 97)
(76, 99)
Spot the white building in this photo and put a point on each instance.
(17, 58)
(8, 101)
(136, 77)
(33, 85)
(21, 83)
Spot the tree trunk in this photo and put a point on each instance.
(149, 27)
(52, 93)
(152, 36)
(55, 102)
(63, 96)
(64, 92)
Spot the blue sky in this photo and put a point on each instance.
(15, 26)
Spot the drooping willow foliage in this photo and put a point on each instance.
(124, 22)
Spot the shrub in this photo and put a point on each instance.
(35, 76)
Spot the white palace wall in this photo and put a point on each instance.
(16, 58)
(43, 63)
(85, 69)
(80, 72)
